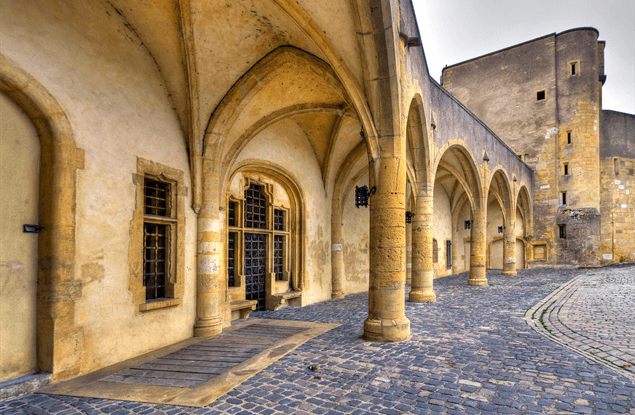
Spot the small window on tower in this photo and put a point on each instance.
(564, 198)
(568, 137)
(541, 95)
(562, 231)
(574, 68)
(566, 169)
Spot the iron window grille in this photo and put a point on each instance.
(258, 241)
(156, 237)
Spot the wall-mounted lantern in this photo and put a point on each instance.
(409, 216)
(362, 194)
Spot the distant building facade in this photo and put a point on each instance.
(544, 99)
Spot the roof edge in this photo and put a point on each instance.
(522, 44)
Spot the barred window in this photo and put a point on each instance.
(231, 257)
(155, 237)
(278, 252)
(231, 214)
(255, 207)
(259, 243)
(278, 218)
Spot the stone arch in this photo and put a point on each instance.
(463, 154)
(297, 219)
(215, 147)
(504, 193)
(59, 340)
(417, 138)
(359, 98)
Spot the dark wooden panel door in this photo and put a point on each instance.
(255, 268)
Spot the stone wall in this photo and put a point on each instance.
(502, 89)
(617, 155)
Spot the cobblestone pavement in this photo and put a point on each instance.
(470, 352)
(593, 314)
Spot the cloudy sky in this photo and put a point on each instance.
(456, 30)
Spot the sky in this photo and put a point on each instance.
(456, 30)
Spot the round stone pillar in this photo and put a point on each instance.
(386, 320)
(509, 244)
(478, 248)
(337, 259)
(208, 274)
(422, 272)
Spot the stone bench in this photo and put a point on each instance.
(277, 301)
(244, 307)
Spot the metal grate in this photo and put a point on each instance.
(278, 220)
(156, 197)
(278, 249)
(231, 256)
(255, 268)
(231, 214)
(255, 207)
(154, 242)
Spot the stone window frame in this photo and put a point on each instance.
(573, 64)
(540, 244)
(174, 282)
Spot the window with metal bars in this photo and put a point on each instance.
(278, 257)
(155, 238)
(154, 260)
(231, 213)
(255, 207)
(156, 197)
(278, 220)
(231, 257)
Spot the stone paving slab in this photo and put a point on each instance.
(172, 375)
(594, 315)
(471, 352)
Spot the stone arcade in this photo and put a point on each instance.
(190, 161)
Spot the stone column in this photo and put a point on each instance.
(409, 252)
(337, 259)
(478, 247)
(509, 244)
(386, 320)
(209, 249)
(422, 268)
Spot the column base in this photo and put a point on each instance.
(477, 282)
(207, 327)
(337, 294)
(422, 296)
(387, 331)
(510, 273)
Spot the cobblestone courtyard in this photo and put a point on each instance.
(471, 352)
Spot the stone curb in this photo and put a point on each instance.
(551, 305)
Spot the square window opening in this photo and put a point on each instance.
(541, 95)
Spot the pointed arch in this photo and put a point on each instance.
(466, 161)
